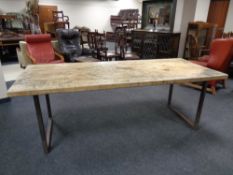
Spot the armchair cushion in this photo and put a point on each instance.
(23, 57)
(40, 48)
(69, 43)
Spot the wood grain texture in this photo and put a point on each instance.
(75, 77)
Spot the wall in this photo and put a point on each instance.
(187, 16)
(229, 20)
(12, 5)
(202, 9)
(2, 84)
(81, 12)
(178, 16)
(193, 10)
(92, 13)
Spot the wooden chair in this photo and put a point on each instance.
(60, 20)
(92, 44)
(103, 53)
(84, 36)
(122, 46)
(198, 38)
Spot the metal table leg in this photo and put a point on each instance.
(46, 134)
(193, 123)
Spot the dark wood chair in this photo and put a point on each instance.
(103, 52)
(60, 20)
(92, 44)
(84, 36)
(122, 45)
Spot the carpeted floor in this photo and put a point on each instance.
(120, 132)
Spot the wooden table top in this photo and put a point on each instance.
(75, 77)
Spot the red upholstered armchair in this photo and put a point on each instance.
(221, 54)
(40, 49)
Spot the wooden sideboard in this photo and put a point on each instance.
(3, 19)
(155, 44)
(7, 42)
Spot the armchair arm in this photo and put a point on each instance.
(31, 57)
(20, 57)
(56, 50)
(59, 56)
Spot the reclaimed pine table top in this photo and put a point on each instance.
(74, 77)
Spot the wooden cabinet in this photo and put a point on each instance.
(154, 44)
(46, 14)
(218, 11)
(198, 38)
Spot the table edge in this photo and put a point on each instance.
(111, 86)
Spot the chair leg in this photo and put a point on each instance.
(213, 90)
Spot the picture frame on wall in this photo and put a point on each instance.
(158, 15)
